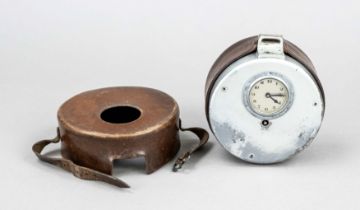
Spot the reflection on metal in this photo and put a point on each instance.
(256, 137)
(99, 126)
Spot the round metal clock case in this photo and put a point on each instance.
(264, 101)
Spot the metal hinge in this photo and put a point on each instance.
(270, 46)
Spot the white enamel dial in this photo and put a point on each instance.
(268, 96)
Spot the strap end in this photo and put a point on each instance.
(180, 162)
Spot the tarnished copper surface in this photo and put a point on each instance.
(99, 126)
(90, 141)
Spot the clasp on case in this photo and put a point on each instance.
(270, 46)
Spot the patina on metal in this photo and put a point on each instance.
(255, 136)
(99, 126)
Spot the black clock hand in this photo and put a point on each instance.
(268, 95)
(277, 95)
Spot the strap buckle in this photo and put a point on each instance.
(180, 161)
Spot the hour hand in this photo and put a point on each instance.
(268, 95)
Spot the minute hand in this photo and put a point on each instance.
(277, 95)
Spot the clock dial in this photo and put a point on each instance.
(268, 96)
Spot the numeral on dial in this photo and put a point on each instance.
(268, 96)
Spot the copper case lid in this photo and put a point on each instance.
(99, 126)
(91, 141)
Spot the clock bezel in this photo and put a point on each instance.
(252, 81)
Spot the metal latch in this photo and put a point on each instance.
(270, 46)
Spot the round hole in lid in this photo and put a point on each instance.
(120, 114)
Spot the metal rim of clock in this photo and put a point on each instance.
(221, 127)
(263, 75)
(246, 47)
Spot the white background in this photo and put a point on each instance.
(52, 50)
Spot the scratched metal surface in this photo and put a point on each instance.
(287, 135)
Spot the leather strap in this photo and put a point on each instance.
(78, 171)
(90, 174)
(203, 136)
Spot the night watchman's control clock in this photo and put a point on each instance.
(264, 101)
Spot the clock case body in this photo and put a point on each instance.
(246, 50)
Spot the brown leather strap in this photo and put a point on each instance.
(203, 136)
(90, 174)
(78, 171)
